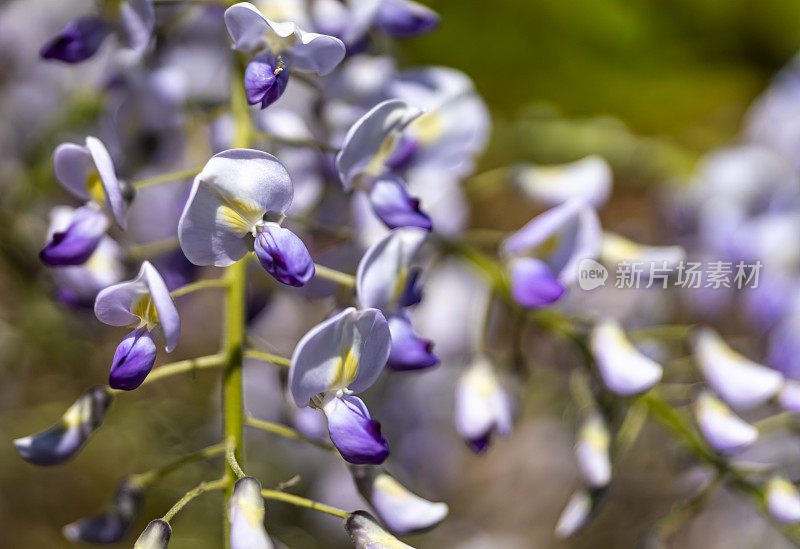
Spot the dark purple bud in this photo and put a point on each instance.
(409, 352)
(155, 536)
(354, 433)
(533, 283)
(78, 41)
(394, 206)
(113, 523)
(77, 243)
(64, 439)
(403, 154)
(283, 255)
(265, 78)
(133, 360)
(406, 19)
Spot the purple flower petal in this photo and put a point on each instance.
(133, 360)
(111, 525)
(406, 19)
(64, 439)
(265, 79)
(409, 351)
(394, 206)
(75, 244)
(354, 433)
(533, 284)
(283, 255)
(77, 41)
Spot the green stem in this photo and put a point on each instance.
(166, 178)
(199, 285)
(149, 477)
(304, 502)
(286, 432)
(152, 249)
(333, 275)
(193, 493)
(232, 390)
(230, 457)
(267, 357)
(190, 365)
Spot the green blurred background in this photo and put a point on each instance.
(650, 84)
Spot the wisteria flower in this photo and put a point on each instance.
(575, 515)
(544, 255)
(155, 536)
(146, 304)
(246, 514)
(366, 533)
(283, 47)
(725, 431)
(132, 20)
(363, 163)
(617, 249)
(338, 358)
(482, 407)
(623, 369)
(227, 206)
(740, 382)
(592, 451)
(86, 171)
(113, 523)
(64, 439)
(783, 500)
(588, 179)
(402, 511)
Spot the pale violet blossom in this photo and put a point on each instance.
(725, 431)
(623, 369)
(589, 179)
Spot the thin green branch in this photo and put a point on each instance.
(333, 275)
(165, 178)
(149, 477)
(304, 502)
(267, 357)
(182, 366)
(152, 249)
(200, 285)
(201, 488)
(286, 432)
(230, 457)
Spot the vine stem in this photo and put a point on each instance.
(333, 275)
(267, 357)
(201, 488)
(304, 502)
(200, 285)
(149, 477)
(232, 390)
(286, 432)
(165, 178)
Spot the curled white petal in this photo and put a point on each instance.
(624, 370)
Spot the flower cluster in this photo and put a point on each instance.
(346, 179)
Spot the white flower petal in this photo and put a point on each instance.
(624, 370)
(725, 431)
(740, 382)
(588, 179)
(783, 500)
(228, 199)
(592, 450)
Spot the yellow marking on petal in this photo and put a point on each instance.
(388, 484)
(377, 165)
(482, 380)
(547, 247)
(595, 434)
(253, 513)
(145, 309)
(346, 371)
(78, 413)
(400, 284)
(94, 186)
(616, 248)
(780, 484)
(427, 128)
(279, 44)
(241, 216)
